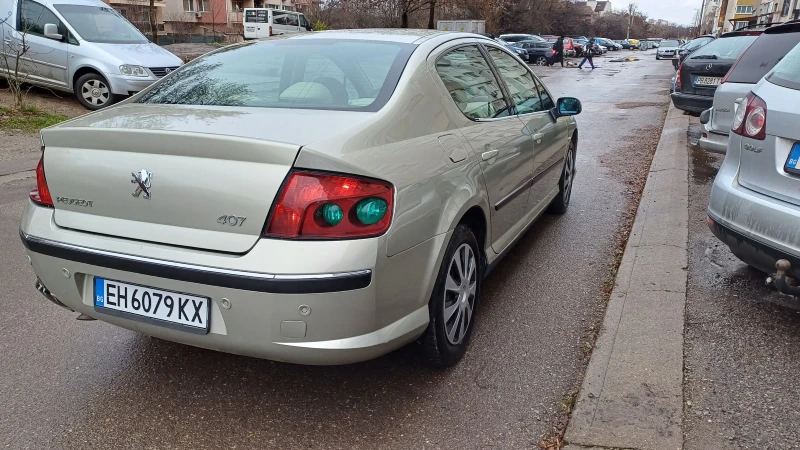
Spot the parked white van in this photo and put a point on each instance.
(265, 22)
(79, 46)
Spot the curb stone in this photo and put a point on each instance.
(632, 395)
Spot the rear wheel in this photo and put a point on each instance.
(94, 92)
(560, 204)
(454, 300)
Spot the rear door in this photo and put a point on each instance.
(256, 23)
(496, 135)
(532, 104)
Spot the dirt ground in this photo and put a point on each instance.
(16, 144)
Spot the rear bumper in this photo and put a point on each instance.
(753, 252)
(758, 229)
(356, 304)
(692, 103)
(714, 142)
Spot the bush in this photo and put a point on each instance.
(320, 26)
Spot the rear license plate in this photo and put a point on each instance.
(793, 161)
(150, 305)
(250, 28)
(707, 81)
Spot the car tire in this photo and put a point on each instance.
(94, 92)
(445, 340)
(560, 204)
(540, 61)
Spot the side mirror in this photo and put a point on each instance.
(51, 32)
(567, 106)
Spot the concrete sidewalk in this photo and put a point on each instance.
(632, 396)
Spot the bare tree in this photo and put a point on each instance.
(181, 28)
(16, 55)
(153, 26)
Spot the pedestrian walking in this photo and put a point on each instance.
(559, 49)
(587, 54)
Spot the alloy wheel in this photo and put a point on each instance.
(569, 172)
(95, 92)
(460, 293)
(541, 61)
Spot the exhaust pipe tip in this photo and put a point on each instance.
(48, 295)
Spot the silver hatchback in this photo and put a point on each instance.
(755, 200)
(762, 55)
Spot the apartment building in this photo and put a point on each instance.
(776, 11)
(138, 12)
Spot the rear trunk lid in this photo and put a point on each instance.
(178, 175)
(762, 162)
(702, 76)
(725, 98)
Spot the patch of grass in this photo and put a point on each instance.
(29, 118)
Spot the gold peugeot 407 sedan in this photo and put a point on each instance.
(318, 199)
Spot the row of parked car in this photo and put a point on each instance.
(746, 86)
(539, 49)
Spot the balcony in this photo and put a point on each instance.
(235, 16)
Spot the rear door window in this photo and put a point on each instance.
(787, 72)
(519, 81)
(471, 83)
(762, 56)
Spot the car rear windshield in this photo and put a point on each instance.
(762, 56)
(306, 73)
(670, 44)
(725, 48)
(787, 72)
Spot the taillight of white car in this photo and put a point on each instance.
(317, 205)
(750, 119)
(41, 193)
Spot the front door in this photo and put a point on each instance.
(46, 59)
(548, 136)
(495, 134)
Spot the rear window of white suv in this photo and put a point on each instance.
(787, 72)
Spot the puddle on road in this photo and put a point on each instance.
(704, 164)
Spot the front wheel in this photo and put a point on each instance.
(454, 300)
(541, 61)
(560, 204)
(94, 92)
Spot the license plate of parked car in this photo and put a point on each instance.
(793, 161)
(145, 304)
(250, 28)
(707, 81)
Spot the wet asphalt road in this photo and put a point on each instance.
(742, 347)
(71, 384)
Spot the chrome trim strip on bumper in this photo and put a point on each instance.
(212, 276)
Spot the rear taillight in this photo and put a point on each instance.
(678, 77)
(315, 205)
(750, 119)
(41, 194)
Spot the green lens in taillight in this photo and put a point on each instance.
(330, 213)
(371, 210)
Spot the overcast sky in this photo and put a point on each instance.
(680, 11)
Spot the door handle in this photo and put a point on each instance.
(485, 156)
(538, 137)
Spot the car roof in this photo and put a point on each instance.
(788, 27)
(400, 35)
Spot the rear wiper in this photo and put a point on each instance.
(705, 57)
